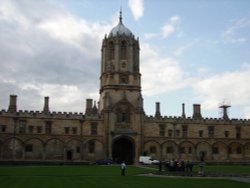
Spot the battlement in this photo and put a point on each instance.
(186, 120)
(41, 114)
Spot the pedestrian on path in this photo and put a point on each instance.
(123, 168)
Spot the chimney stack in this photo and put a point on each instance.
(12, 104)
(197, 111)
(157, 110)
(183, 111)
(46, 105)
(89, 104)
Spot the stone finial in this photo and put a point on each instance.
(183, 111)
(46, 105)
(13, 104)
(197, 111)
(89, 106)
(157, 110)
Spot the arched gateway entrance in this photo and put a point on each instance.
(123, 149)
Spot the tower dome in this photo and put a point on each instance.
(120, 29)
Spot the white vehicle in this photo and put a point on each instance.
(147, 160)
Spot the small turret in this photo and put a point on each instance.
(89, 104)
(183, 111)
(197, 111)
(13, 104)
(157, 110)
(46, 105)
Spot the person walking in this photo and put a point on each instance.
(123, 168)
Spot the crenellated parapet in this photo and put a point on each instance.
(191, 120)
(41, 114)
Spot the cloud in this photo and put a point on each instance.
(159, 73)
(136, 7)
(48, 54)
(232, 86)
(233, 32)
(169, 28)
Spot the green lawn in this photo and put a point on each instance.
(96, 177)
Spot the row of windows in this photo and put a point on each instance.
(176, 133)
(48, 129)
(170, 149)
(189, 150)
(91, 147)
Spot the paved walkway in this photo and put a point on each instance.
(245, 179)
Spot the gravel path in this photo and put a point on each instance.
(245, 179)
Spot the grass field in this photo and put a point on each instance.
(97, 177)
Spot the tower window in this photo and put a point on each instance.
(111, 50)
(124, 79)
(123, 50)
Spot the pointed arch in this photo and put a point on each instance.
(13, 148)
(34, 148)
(54, 149)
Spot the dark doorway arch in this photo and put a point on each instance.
(123, 149)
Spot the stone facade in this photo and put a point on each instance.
(117, 127)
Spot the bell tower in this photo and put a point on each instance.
(121, 102)
(120, 74)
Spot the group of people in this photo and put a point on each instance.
(174, 165)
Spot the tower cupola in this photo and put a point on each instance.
(120, 29)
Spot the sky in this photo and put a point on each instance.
(191, 51)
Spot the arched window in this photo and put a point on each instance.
(111, 50)
(123, 50)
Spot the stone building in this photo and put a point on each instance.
(117, 126)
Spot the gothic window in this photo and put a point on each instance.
(31, 128)
(169, 149)
(123, 115)
(39, 129)
(177, 133)
(190, 150)
(170, 132)
(226, 134)
(28, 148)
(74, 130)
(66, 130)
(78, 149)
(3, 128)
(182, 150)
(111, 51)
(152, 149)
(94, 129)
(91, 146)
(22, 127)
(215, 150)
(200, 133)
(238, 150)
(162, 130)
(238, 130)
(48, 127)
(210, 131)
(123, 50)
(184, 131)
